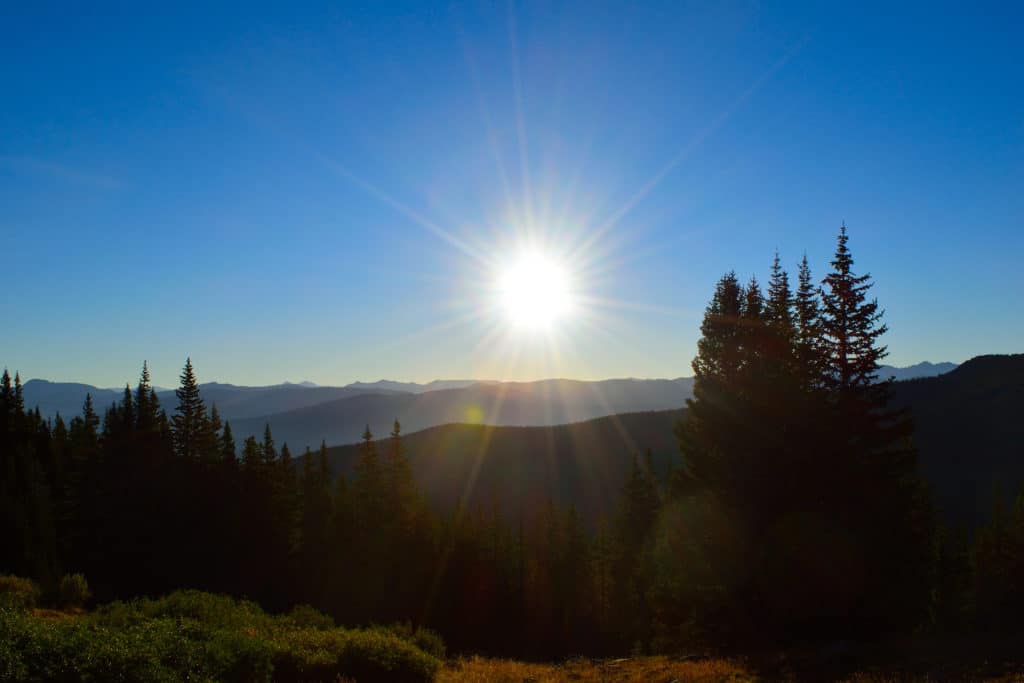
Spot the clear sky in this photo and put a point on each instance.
(328, 193)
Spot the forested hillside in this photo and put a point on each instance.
(796, 511)
(520, 468)
(970, 443)
(969, 430)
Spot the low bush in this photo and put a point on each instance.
(304, 616)
(366, 655)
(72, 649)
(423, 638)
(73, 591)
(217, 611)
(18, 593)
(190, 635)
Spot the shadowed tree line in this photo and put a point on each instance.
(796, 513)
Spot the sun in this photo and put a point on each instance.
(534, 291)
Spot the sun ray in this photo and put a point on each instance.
(696, 141)
(408, 212)
(517, 90)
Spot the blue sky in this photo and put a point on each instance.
(325, 193)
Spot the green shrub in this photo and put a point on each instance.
(75, 649)
(196, 636)
(217, 611)
(364, 655)
(371, 655)
(423, 638)
(44, 650)
(304, 616)
(73, 591)
(18, 593)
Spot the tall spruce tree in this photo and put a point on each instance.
(779, 305)
(212, 449)
(872, 452)
(807, 342)
(269, 451)
(850, 324)
(145, 412)
(190, 416)
(227, 445)
(315, 526)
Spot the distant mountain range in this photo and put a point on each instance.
(414, 388)
(232, 401)
(305, 413)
(545, 402)
(969, 433)
(923, 369)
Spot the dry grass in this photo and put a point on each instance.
(636, 670)
(888, 678)
(667, 670)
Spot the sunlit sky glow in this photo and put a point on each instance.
(504, 191)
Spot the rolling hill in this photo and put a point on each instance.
(235, 402)
(968, 422)
(543, 403)
(970, 432)
(583, 463)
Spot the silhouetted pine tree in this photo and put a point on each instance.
(313, 526)
(211, 448)
(340, 585)
(953, 579)
(269, 451)
(779, 304)
(145, 411)
(190, 417)
(227, 445)
(807, 343)
(282, 530)
(996, 591)
(872, 463)
(27, 525)
(256, 511)
(634, 525)
(251, 454)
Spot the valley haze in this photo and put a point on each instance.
(304, 414)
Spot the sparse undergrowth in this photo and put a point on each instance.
(190, 635)
(636, 670)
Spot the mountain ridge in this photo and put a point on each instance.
(967, 430)
(273, 402)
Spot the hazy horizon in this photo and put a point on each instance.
(173, 382)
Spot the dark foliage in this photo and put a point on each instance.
(794, 456)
